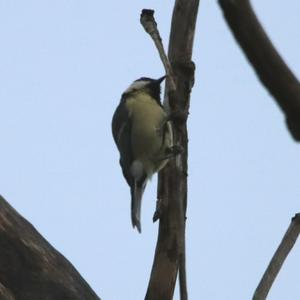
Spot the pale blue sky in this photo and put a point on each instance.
(63, 67)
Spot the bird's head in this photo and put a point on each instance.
(146, 85)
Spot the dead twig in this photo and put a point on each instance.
(150, 26)
(278, 259)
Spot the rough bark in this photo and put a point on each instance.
(30, 268)
(266, 61)
(172, 186)
(278, 259)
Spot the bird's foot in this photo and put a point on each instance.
(172, 152)
(175, 150)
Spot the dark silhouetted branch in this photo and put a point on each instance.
(278, 259)
(172, 182)
(30, 268)
(268, 64)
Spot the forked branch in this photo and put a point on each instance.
(172, 181)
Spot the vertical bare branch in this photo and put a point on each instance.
(268, 64)
(278, 259)
(172, 192)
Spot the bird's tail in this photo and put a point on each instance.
(137, 191)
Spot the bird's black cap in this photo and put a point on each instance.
(154, 86)
(151, 80)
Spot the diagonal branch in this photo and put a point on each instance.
(150, 26)
(278, 259)
(266, 61)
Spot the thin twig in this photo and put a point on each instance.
(278, 259)
(150, 26)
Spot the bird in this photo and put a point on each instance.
(143, 135)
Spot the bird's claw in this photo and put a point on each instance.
(175, 150)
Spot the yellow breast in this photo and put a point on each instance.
(147, 117)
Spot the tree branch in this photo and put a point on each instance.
(268, 64)
(278, 259)
(172, 182)
(150, 26)
(30, 268)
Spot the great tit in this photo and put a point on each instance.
(143, 136)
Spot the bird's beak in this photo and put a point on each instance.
(161, 79)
